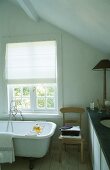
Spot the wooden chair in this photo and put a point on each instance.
(77, 121)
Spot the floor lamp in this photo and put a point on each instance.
(103, 65)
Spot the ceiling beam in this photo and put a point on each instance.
(27, 6)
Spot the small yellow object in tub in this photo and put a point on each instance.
(37, 129)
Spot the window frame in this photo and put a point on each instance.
(41, 37)
(33, 96)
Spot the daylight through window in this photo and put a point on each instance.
(31, 77)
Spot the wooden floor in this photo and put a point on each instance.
(70, 161)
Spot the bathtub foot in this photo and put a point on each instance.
(31, 165)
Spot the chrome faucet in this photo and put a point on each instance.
(12, 113)
(14, 110)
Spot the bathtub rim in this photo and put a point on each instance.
(29, 136)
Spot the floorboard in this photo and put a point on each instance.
(70, 160)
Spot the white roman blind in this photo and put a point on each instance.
(31, 62)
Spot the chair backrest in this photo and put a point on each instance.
(78, 111)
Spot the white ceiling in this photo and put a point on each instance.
(89, 20)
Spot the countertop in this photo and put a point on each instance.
(102, 132)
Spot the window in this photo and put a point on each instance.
(31, 77)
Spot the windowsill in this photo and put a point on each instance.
(40, 115)
(32, 116)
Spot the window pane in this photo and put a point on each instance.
(41, 103)
(50, 103)
(50, 91)
(26, 103)
(40, 91)
(26, 91)
(17, 92)
(18, 103)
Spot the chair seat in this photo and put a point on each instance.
(70, 137)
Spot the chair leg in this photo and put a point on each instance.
(60, 152)
(64, 147)
(82, 151)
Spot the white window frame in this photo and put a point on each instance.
(33, 108)
(4, 97)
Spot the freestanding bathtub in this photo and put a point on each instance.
(28, 143)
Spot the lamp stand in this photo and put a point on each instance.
(104, 90)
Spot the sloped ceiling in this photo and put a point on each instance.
(89, 20)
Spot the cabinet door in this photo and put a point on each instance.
(96, 165)
(91, 140)
(104, 165)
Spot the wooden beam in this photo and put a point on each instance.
(27, 6)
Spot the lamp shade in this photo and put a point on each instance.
(103, 64)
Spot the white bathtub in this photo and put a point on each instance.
(26, 142)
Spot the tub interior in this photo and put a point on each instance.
(25, 127)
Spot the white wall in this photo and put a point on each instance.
(80, 83)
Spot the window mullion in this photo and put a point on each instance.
(33, 98)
